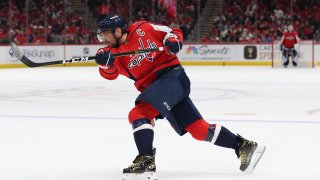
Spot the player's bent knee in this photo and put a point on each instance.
(132, 115)
(142, 110)
(136, 114)
(198, 129)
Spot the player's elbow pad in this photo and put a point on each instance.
(110, 74)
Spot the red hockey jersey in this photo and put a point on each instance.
(290, 39)
(142, 67)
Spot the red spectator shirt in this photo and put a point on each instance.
(142, 67)
(290, 39)
(20, 39)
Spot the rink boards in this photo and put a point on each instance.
(191, 54)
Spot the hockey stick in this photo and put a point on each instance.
(30, 63)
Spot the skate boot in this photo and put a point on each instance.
(143, 167)
(294, 64)
(285, 64)
(245, 151)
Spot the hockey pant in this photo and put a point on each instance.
(289, 52)
(169, 94)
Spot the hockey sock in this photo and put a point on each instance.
(216, 134)
(221, 136)
(143, 135)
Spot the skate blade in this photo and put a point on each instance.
(257, 154)
(140, 176)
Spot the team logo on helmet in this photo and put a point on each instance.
(111, 23)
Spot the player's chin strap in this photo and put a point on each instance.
(117, 39)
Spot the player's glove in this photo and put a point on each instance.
(281, 47)
(104, 59)
(173, 44)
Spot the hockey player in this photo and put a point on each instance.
(289, 41)
(164, 88)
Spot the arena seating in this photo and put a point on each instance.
(244, 21)
(240, 20)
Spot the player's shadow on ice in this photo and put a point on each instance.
(188, 175)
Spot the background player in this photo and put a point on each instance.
(289, 41)
(164, 88)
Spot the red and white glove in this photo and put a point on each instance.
(172, 42)
(104, 59)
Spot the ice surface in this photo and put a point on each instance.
(71, 124)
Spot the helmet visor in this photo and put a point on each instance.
(102, 36)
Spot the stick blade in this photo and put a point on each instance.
(16, 51)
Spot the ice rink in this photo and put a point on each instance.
(71, 124)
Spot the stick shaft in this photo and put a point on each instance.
(31, 63)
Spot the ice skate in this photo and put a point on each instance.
(285, 64)
(143, 168)
(246, 151)
(294, 64)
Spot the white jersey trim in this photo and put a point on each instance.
(161, 28)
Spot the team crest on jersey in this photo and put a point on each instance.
(136, 60)
(290, 37)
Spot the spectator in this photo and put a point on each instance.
(103, 10)
(239, 20)
(57, 27)
(20, 38)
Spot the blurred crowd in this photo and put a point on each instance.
(33, 21)
(51, 21)
(186, 12)
(263, 21)
(45, 23)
